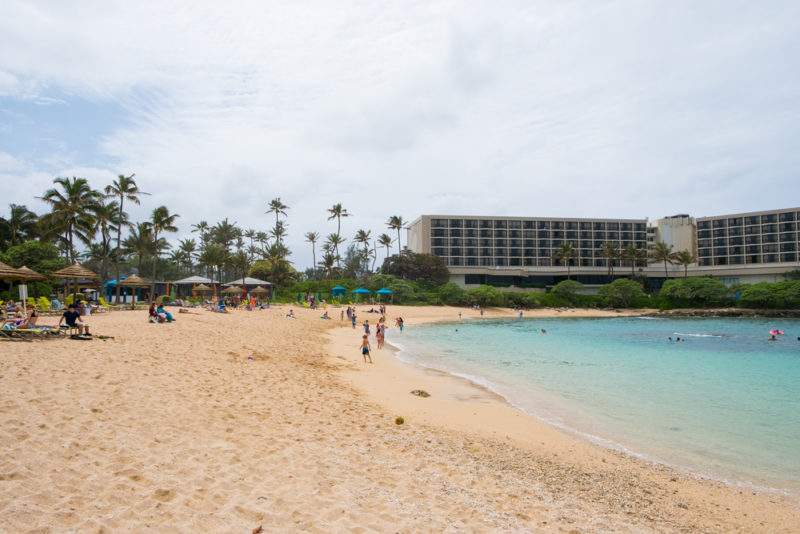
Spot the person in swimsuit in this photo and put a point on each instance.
(365, 348)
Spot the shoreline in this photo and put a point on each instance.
(473, 408)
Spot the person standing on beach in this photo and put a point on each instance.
(365, 348)
(366, 327)
(353, 317)
(400, 324)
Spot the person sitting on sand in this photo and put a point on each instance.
(164, 313)
(290, 315)
(365, 348)
(73, 320)
(153, 315)
(325, 316)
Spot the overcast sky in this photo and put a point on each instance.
(566, 109)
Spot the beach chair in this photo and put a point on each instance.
(12, 333)
(55, 306)
(106, 306)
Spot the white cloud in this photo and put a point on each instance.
(564, 109)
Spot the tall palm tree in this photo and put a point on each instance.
(215, 255)
(20, 225)
(161, 221)
(140, 242)
(610, 252)
(337, 212)
(396, 222)
(263, 239)
(327, 264)
(312, 238)
(564, 253)
(74, 208)
(662, 252)
(123, 188)
(685, 258)
(107, 221)
(225, 233)
(385, 240)
(334, 240)
(363, 237)
(277, 207)
(633, 255)
(188, 247)
(279, 232)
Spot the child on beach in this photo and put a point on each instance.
(366, 327)
(365, 348)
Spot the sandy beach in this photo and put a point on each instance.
(228, 422)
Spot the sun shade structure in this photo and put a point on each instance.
(135, 281)
(202, 288)
(384, 291)
(248, 281)
(232, 290)
(75, 271)
(193, 280)
(259, 291)
(9, 273)
(30, 274)
(361, 291)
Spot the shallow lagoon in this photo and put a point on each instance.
(725, 402)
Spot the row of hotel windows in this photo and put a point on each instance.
(495, 252)
(747, 249)
(526, 262)
(541, 234)
(747, 240)
(787, 216)
(528, 243)
(787, 228)
(786, 257)
(538, 225)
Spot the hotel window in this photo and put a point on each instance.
(515, 224)
(586, 225)
(572, 225)
(769, 248)
(722, 232)
(515, 233)
(501, 262)
(470, 233)
(626, 236)
(720, 242)
(704, 252)
(486, 252)
(612, 226)
(598, 244)
(470, 223)
(736, 260)
(735, 251)
(750, 230)
(438, 241)
(544, 243)
(719, 223)
(530, 262)
(626, 227)
(771, 218)
(701, 234)
(514, 252)
(613, 236)
(789, 256)
(586, 262)
(472, 262)
(500, 233)
(558, 234)
(755, 219)
(438, 223)
(736, 221)
(720, 261)
(471, 252)
(439, 232)
(486, 233)
(721, 251)
(786, 216)
(529, 243)
(558, 225)
(455, 251)
(499, 242)
(736, 240)
(789, 236)
(514, 242)
(752, 239)
(771, 258)
(438, 251)
(456, 223)
(769, 228)
(530, 253)
(586, 244)
(501, 224)
(702, 225)
(543, 234)
(514, 262)
(787, 227)
(528, 225)
(734, 231)
(753, 249)
(456, 242)
(541, 225)
(788, 247)
(572, 234)
(769, 238)
(705, 262)
(640, 227)
(486, 223)
(752, 259)
(544, 262)
(486, 262)
(455, 232)
(455, 261)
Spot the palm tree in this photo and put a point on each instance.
(240, 261)
(140, 242)
(564, 253)
(251, 235)
(363, 237)
(312, 238)
(327, 264)
(685, 258)
(225, 233)
(279, 232)
(124, 187)
(277, 207)
(73, 208)
(215, 255)
(203, 228)
(633, 255)
(662, 252)
(20, 225)
(187, 248)
(107, 221)
(385, 240)
(396, 222)
(610, 252)
(337, 212)
(161, 221)
(334, 240)
(263, 239)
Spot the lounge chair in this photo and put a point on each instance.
(11, 333)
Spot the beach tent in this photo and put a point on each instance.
(384, 291)
(360, 291)
(338, 292)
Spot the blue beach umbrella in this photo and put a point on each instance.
(361, 291)
(384, 291)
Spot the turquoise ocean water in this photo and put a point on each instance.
(724, 403)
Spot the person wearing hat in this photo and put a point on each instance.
(73, 320)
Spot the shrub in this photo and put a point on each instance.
(622, 292)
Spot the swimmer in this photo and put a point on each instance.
(544, 331)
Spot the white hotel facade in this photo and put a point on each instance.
(519, 251)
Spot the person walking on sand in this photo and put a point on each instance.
(365, 348)
(353, 317)
(366, 327)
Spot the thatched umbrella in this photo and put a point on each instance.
(259, 291)
(134, 281)
(75, 271)
(7, 272)
(30, 274)
(233, 290)
(202, 288)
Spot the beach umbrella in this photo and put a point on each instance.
(232, 290)
(75, 271)
(202, 288)
(259, 290)
(134, 281)
(30, 274)
(7, 272)
(360, 291)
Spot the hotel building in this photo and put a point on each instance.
(520, 251)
